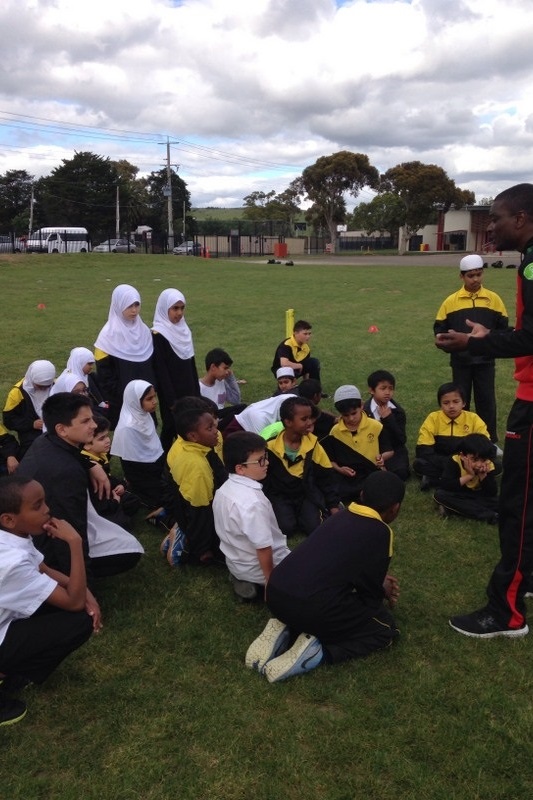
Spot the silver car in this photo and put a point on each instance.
(115, 246)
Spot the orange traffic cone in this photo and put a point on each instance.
(373, 329)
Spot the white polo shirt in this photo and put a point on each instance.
(23, 588)
(245, 522)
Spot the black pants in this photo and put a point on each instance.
(512, 574)
(479, 378)
(295, 514)
(468, 504)
(145, 480)
(346, 630)
(35, 646)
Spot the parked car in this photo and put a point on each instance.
(187, 249)
(115, 246)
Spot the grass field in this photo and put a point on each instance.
(160, 705)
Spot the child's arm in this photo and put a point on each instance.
(264, 556)
(348, 471)
(71, 591)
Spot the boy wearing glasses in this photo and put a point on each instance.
(245, 522)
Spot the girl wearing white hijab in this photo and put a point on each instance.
(137, 444)
(23, 408)
(123, 349)
(79, 365)
(173, 359)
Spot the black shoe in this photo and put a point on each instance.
(11, 710)
(482, 625)
(425, 484)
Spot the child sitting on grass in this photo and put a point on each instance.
(441, 433)
(245, 522)
(468, 485)
(33, 644)
(300, 481)
(380, 406)
(137, 444)
(196, 472)
(286, 381)
(357, 445)
(122, 505)
(216, 382)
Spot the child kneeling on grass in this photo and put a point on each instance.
(327, 594)
(44, 615)
(245, 522)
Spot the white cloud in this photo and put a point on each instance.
(270, 82)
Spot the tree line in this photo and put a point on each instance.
(83, 191)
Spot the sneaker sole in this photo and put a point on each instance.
(267, 645)
(510, 633)
(281, 668)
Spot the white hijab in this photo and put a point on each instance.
(38, 383)
(130, 340)
(178, 334)
(66, 383)
(78, 359)
(73, 373)
(135, 437)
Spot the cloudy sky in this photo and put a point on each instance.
(250, 92)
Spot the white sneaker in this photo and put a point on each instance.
(305, 654)
(273, 641)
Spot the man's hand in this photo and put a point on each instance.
(452, 340)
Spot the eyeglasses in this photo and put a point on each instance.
(261, 461)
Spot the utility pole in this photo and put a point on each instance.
(167, 192)
(32, 201)
(117, 214)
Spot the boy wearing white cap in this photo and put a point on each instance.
(474, 303)
(286, 381)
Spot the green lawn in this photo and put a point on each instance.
(160, 705)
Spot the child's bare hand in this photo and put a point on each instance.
(61, 529)
(119, 490)
(93, 610)
(347, 471)
(391, 587)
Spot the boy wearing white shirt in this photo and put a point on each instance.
(245, 522)
(44, 614)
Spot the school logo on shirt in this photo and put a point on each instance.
(528, 272)
(370, 437)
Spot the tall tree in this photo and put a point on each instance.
(155, 185)
(384, 213)
(328, 181)
(79, 192)
(424, 190)
(15, 198)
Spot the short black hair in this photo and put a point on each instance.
(475, 444)
(239, 446)
(344, 406)
(62, 408)
(188, 418)
(447, 388)
(517, 198)
(309, 388)
(194, 401)
(381, 490)
(301, 325)
(11, 489)
(218, 356)
(288, 408)
(378, 376)
(102, 423)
